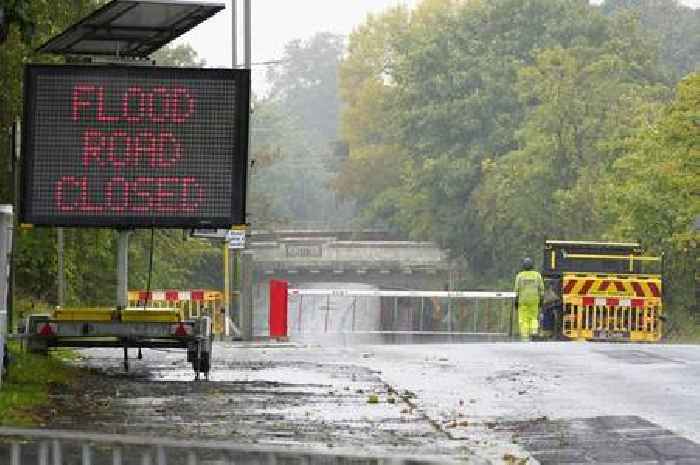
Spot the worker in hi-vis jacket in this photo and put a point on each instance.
(529, 289)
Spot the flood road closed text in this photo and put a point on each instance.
(122, 146)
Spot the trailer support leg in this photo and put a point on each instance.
(198, 366)
(126, 356)
(140, 355)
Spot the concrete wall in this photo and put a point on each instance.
(299, 252)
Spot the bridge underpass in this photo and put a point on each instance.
(314, 259)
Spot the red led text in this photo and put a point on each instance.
(136, 105)
(129, 152)
(119, 195)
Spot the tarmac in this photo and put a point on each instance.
(514, 403)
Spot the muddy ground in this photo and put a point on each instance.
(260, 400)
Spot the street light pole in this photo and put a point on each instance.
(245, 296)
(234, 34)
(238, 300)
(247, 33)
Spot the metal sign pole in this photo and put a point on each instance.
(122, 269)
(61, 271)
(246, 296)
(244, 285)
(17, 150)
(227, 291)
(235, 288)
(247, 32)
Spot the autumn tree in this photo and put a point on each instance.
(297, 123)
(653, 191)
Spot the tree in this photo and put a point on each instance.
(368, 128)
(674, 27)
(652, 193)
(29, 24)
(582, 102)
(182, 55)
(306, 85)
(16, 12)
(298, 123)
(474, 124)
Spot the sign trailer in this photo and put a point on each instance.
(125, 145)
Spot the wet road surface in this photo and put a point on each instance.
(480, 403)
(271, 395)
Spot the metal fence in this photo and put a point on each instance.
(38, 447)
(365, 311)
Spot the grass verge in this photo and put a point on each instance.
(26, 390)
(683, 327)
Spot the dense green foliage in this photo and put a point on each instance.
(36, 21)
(294, 130)
(674, 27)
(488, 126)
(33, 22)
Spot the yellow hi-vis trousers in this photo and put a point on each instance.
(528, 318)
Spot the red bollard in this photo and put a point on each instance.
(278, 308)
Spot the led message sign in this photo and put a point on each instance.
(125, 146)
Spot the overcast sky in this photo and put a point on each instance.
(276, 22)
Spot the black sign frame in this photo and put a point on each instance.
(239, 157)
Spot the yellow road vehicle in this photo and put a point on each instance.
(601, 291)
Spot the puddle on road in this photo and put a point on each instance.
(323, 406)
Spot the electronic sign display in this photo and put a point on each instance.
(134, 146)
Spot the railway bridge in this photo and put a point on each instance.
(369, 259)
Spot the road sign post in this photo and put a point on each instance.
(235, 242)
(122, 269)
(227, 292)
(246, 295)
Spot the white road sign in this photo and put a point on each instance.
(235, 239)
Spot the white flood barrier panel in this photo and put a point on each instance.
(317, 311)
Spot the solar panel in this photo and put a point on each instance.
(131, 28)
